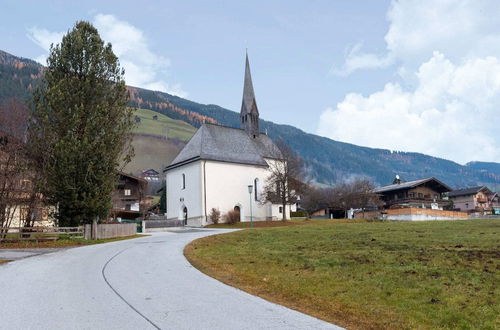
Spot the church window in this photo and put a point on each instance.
(256, 189)
(183, 181)
(281, 209)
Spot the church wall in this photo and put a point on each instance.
(227, 187)
(190, 196)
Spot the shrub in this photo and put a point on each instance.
(232, 217)
(214, 216)
(298, 214)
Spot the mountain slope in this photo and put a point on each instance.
(328, 161)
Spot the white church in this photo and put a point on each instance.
(224, 168)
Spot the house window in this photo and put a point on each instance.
(183, 181)
(127, 192)
(256, 190)
(420, 195)
(281, 209)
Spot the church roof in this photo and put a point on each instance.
(226, 144)
(249, 104)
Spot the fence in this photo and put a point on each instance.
(103, 231)
(40, 233)
(429, 212)
(159, 225)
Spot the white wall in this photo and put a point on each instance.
(227, 187)
(190, 197)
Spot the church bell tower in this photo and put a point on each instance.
(249, 114)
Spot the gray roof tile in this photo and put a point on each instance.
(227, 144)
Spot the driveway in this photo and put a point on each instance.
(144, 283)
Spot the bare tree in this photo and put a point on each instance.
(285, 182)
(355, 194)
(15, 190)
(315, 198)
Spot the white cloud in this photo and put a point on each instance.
(448, 56)
(417, 28)
(143, 67)
(44, 39)
(452, 112)
(356, 60)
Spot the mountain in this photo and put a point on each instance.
(327, 161)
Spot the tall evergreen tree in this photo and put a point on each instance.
(80, 132)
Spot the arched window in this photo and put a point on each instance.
(183, 181)
(256, 189)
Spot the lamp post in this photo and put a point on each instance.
(250, 188)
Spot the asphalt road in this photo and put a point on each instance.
(144, 283)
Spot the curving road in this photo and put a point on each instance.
(144, 283)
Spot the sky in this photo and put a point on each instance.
(407, 75)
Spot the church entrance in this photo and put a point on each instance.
(185, 215)
(238, 210)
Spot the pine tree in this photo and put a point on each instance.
(80, 132)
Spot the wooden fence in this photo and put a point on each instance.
(40, 233)
(113, 230)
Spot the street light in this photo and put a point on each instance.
(250, 188)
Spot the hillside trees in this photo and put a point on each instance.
(80, 130)
(285, 182)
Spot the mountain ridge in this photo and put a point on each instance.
(327, 161)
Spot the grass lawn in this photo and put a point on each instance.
(62, 242)
(442, 274)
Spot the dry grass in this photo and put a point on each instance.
(379, 275)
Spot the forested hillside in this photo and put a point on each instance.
(328, 161)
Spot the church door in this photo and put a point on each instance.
(237, 209)
(185, 215)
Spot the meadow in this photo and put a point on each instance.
(366, 275)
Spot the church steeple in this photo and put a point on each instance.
(249, 115)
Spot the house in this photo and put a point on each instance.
(224, 168)
(154, 181)
(478, 199)
(129, 197)
(423, 193)
(20, 204)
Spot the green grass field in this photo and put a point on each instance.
(163, 126)
(379, 275)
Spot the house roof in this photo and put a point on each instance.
(226, 144)
(132, 177)
(151, 171)
(438, 185)
(467, 191)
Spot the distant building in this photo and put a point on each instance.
(478, 199)
(423, 193)
(154, 181)
(129, 197)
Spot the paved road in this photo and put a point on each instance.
(15, 254)
(145, 283)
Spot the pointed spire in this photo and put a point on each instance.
(248, 92)
(249, 112)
